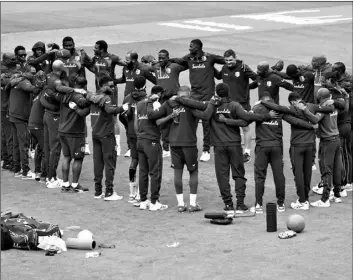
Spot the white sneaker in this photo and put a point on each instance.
(87, 150)
(320, 203)
(335, 199)
(166, 153)
(137, 203)
(343, 193)
(144, 204)
(257, 209)
(157, 206)
(113, 197)
(118, 150)
(348, 187)
(300, 206)
(205, 156)
(29, 176)
(128, 153)
(54, 184)
(316, 189)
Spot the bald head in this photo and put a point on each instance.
(262, 68)
(58, 66)
(323, 94)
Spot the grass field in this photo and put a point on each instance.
(243, 250)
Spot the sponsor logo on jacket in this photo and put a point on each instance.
(197, 66)
(142, 117)
(275, 123)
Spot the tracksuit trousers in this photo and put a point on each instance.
(226, 159)
(346, 144)
(301, 157)
(39, 159)
(274, 157)
(104, 158)
(330, 159)
(52, 144)
(6, 140)
(150, 164)
(20, 136)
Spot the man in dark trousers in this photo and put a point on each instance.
(8, 66)
(150, 156)
(330, 157)
(227, 142)
(36, 127)
(51, 121)
(302, 138)
(167, 76)
(236, 75)
(201, 76)
(138, 94)
(182, 125)
(104, 63)
(104, 154)
(131, 70)
(73, 111)
(269, 81)
(20, 93)
(268, 150)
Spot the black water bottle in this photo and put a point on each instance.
(271, 217)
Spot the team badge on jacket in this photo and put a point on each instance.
(138, 71)
(168, 70)
(204, 58)
(301, 78)
(77, 58)
(269, 83)
(237, 74)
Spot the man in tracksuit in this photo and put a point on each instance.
(201, 76)
(167, 76)
(182, 125)
(150, 156)
(104, 154)
(37, 60)
(51, 121)
(269, 81)
(138, 94)
(36, 127)
(227, 143)
(268, 150)
(329, 151)
(21, 93)
(343, 122)
(236, 75)
(8, 66)
(73, 111)
(131, 70)
(103, 63)
(345, 81)
(302, 138)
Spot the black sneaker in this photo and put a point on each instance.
(241, 208)
(6, 166)
(229, 209)
(80, 189)
(68, 189)
(246, 158)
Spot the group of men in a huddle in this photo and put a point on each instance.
(45, 98)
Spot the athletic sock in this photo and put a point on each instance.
(247, 151)
(180, 198)
(193, 199)
(117, 139)
(74, 185)
(132, 175)
(131, 189)
(65, 184)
